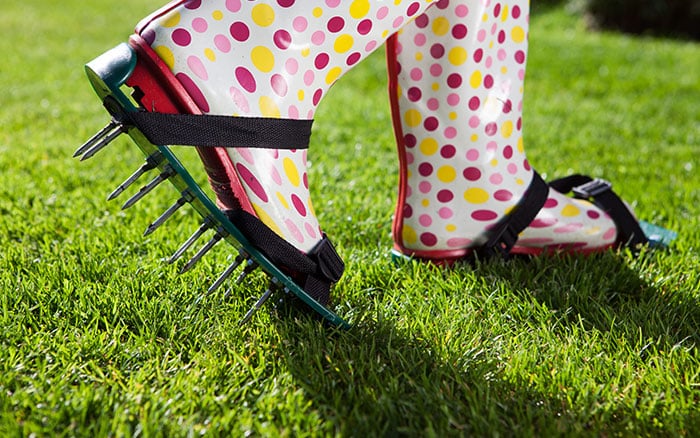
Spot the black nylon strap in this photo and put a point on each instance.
(221, 131)
(504, 235)
(599, 191)
(322, 266)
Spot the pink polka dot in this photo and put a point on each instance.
(282, 39)
(311, 231)
(240, 100)
(275, 176)
(459, 242)
(370, 46)
(543, 222)
(420, 39)
(436, 69)
(503, 195)
(199, 25)
(300, 24)
(472, 154)
(461, 11)
(279, 85)
(318, 37)
(428, 239)
(416, 74)
(445, 213)
(294, 230)
(247, 155)
(293, 112)
(459, 31)
(450, 132)
(222, 43)
(398, 21)
(425, 187)
(453, 99)
(251, 181)
(496, 179)
(335, 24)
(233, 5)
(382, 12)
(407, 211)
(425, 220)
(332, 3)
(474, 122)
(193, 91)
(484, 215)
(550, 203)
(195, 64)
(299, 205)
(309, 76)
(512, 169)
(353, 59)
(317, 96)
(364, 27)
(472, 174)
(491, 129)
(246, 79)
(181, 37)
(239, 31)
(610, 234)
(445, 196)
(593, 214)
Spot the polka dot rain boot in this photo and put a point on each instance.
(240, 81)
(456, 86)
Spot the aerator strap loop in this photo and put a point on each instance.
(322, 266)
(221, 131)
(599, 191)
(504, 235)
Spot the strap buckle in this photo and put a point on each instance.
(330, 265)
(592, 188)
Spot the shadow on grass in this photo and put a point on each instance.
(379, 379)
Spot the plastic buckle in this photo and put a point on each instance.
(329, 262)
(501, 243)
(592, 188)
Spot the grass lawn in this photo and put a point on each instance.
(100, 337)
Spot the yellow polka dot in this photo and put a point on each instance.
(269, 108)
(263, 15)
(521, 147)
(451, 228)
(457, 56)
(518, 34)
(412, 118)
(267, 220)
(504, 70)
(166, 55)
(435, 86)
(300, 95)
(441, 26)
(429, 146)
(305, 51)
(593, 231)
(359, 8)
(343, 43)
(446, 174)
(210, 55)
(570, 211)
(409, 235)
(282, 200)
(494, 162)
(333, 74)
(317, 12)
(452, 115)
(171, 20)
(519, 181)
(425, 203)
(262, 58)
(310, 205)
(474, 138)
(475, 79)
(419, 56)
(507, 129)
(217, 15)
(485, 18)
(504, 13)
(290, 169)
(385, 33)
(476, 196)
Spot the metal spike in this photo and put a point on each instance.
(151, 163)
(256, 306)
(186, 197)
(100, 143)
(203, 250)
(101, 133)
(227, 273)
(250, 266)
(208, 223)
(167, 172)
